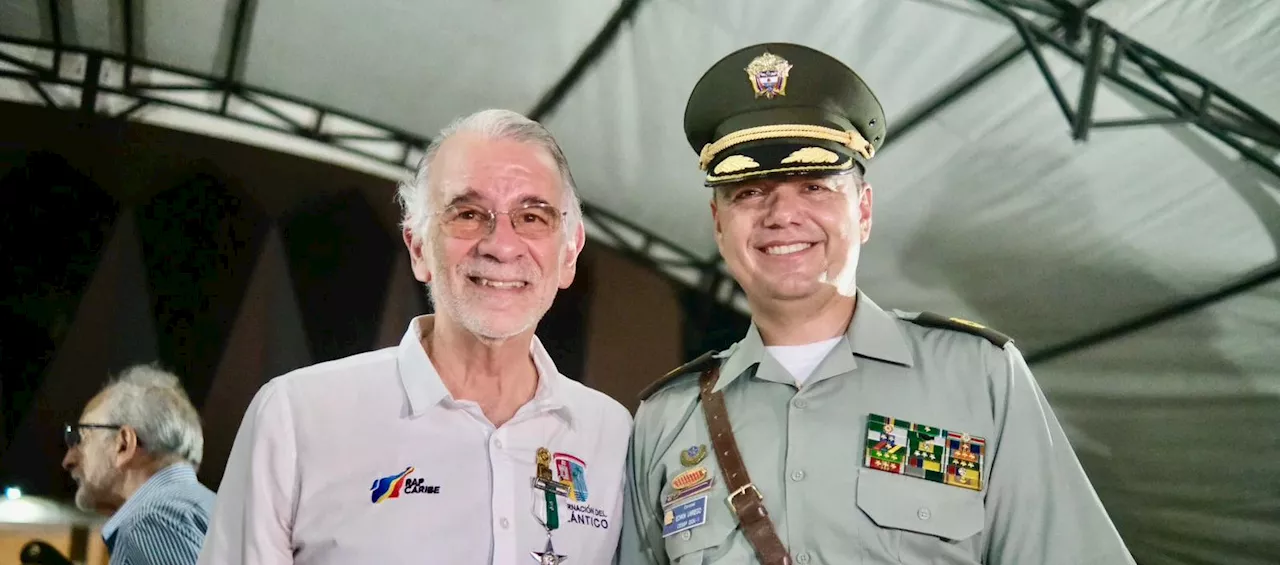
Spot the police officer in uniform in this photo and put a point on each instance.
(835, 431)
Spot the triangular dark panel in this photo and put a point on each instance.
(406, 299)
(708, 324)
(54, 222)
(200, 242)
(340, 258)
(110, 330)
(563, 329)
(267, 340)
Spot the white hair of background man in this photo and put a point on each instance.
(416, 197)
(153, 402)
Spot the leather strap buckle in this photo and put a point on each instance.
(752, 514)
(742, 490)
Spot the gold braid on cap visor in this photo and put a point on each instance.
(851, 139)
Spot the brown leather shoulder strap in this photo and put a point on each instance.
(691, 367)
(744, 498)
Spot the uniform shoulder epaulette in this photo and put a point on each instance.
(696, 366)
(933, 320)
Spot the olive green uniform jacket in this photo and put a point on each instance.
(807, 452)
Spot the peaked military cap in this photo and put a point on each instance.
(778, 109)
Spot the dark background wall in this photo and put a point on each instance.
(229, 264)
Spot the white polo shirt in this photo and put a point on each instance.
(368, 459)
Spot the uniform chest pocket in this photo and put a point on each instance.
(942, 511)
(705, 543)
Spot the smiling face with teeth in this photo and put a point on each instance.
(793, 238)
(499, 285)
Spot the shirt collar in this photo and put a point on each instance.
(424, 389)
(181, 472)
(873, 333)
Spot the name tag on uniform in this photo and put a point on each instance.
(685, 516)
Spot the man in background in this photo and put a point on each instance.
(464, 445)
(134, 454)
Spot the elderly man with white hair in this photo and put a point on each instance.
(463, 444)
(134, 454)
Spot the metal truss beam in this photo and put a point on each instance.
(970, 81)
(55, 19)
(1266, 275)
(121, 87)
(1187, 97)
(129, 39)
(235, 50)
(125, 86)
(593, 51)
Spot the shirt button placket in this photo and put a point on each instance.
(796, 489)
(503, 503)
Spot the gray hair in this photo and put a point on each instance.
(153, 402)
(416, 197)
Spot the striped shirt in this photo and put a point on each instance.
(163, 523)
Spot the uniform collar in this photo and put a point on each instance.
(873, 333)
(425, 390)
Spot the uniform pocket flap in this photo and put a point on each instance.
(917, 505)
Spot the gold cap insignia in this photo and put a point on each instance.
(768, 74)
(812, 155)
(735, 163)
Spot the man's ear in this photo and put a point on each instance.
(715, 214)
(571, 256)
(418, 260)
(126, 444)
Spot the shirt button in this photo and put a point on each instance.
(685, 535)
(800, 403)
(504, 523)
(923, 514)
(802, 558)
(497, 443)
(797, 475)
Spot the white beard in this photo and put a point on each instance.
(478, 323)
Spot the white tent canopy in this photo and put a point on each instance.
(987, 209)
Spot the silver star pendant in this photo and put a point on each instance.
(548, 556)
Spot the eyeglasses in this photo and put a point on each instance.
(469, 221)
(71, 433)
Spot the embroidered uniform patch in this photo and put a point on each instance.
(933, 454)
(692, 481)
